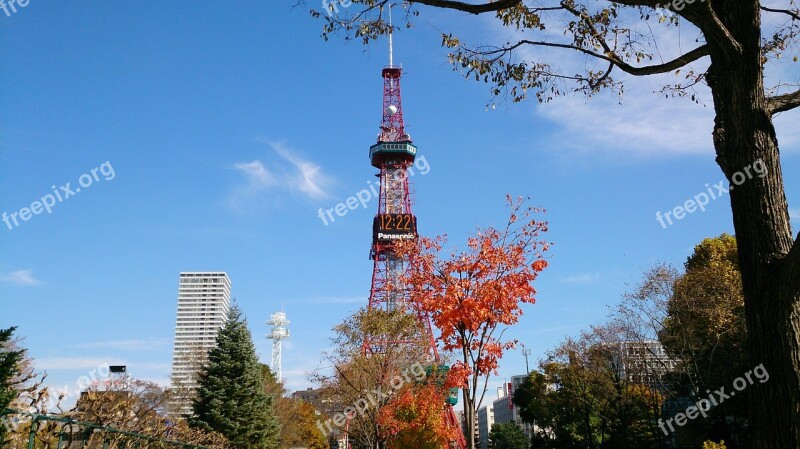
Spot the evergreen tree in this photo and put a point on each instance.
(230, 397)
(9, 367)
(10, 371)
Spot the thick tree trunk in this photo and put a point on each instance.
(743, 136)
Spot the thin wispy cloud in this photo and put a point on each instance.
(642, 126)
(585, 278)
(794, 214)
(125, 345)
(638, 124)
(641, 123)
(257, 176)
(283, 170)
(308, 177)
(20, 277)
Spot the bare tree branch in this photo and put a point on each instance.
(701, 15)
(785, 102)
(669, 66)
(614, 59)
(674, 64)
(597, 83)
(793, 14)
(646, 3)
(468, 7)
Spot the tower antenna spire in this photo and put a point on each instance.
(390, 36)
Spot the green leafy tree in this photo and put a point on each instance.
(581, 398)
(705, 330)
(297, 418)
(598, 45)
(566, 399)
(546, 401)
(365, 380)
(699, 317)
(507, 436)
(230, 396)
(705, 322)
(631, 424)
(532, 400)
(301, 420)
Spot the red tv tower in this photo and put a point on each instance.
(393, 154)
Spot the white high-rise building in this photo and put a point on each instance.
(203, 302)
(504, 410)
(485, 423)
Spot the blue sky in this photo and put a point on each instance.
(227, 126)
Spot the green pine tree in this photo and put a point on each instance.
(230, 397)
(10, 360)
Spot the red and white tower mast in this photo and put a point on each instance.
(393, 154)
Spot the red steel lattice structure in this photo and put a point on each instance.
(393, 155)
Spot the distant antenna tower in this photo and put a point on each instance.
(526, 352)
(279, 332)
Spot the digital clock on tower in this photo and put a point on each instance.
(393, 227)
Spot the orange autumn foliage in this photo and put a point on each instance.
(414, 418)
(473, 295)
(468, 295)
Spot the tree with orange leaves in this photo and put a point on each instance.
(472, 296)
(414, 418)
